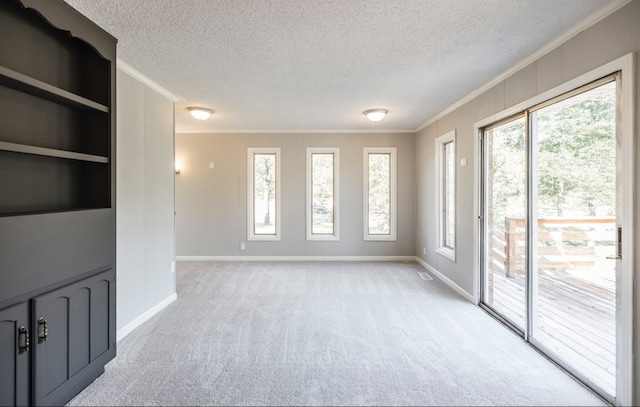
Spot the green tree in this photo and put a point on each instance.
(379, 192)
(323, 179)
(576, 154)
(265, 181)
(576, 159)
(507, 183)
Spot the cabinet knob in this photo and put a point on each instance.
(43, 331)
(23, 339)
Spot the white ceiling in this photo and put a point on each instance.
(315, 65)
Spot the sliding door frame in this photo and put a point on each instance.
(483, 165)
(626, 137)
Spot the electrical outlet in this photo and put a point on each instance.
(242, 246)
(212, 165)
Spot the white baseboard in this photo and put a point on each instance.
(127, 329)
(446, 280)
(295, 258)
(424, 264)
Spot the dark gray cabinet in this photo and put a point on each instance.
(14, 359)
(72, 340)
(67, 337)
(57, 201)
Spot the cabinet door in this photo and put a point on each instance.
(74, 334)
(14, 355)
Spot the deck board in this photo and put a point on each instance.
(575, 319)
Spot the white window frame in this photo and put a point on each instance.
(251, 235)
(335, 236)
(392, 151)
(441, 204)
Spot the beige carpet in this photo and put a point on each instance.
(325, 333)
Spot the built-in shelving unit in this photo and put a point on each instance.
(55, 117)
(50, 152)
(57, 201)
(18, 81)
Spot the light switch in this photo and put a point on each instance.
(211, 165)
(463, 162)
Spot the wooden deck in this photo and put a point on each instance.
(575, 312)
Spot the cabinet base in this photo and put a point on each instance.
(81, 385)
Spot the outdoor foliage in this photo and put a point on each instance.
(577, 155)
(264, 193)
(322, 192)
(576, 162)
(507, 183)
(450, 194)
(379, 193)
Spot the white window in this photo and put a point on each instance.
(323, 197)
(263, 193)
(446, 194)
(379, 193)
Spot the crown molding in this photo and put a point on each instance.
(123, 66)
(291, 131)
(609, 9)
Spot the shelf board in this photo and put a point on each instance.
(50, 152)
(24, 83)
(53, 211)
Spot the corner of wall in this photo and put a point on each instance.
(145, 231)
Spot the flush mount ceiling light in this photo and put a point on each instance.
(200, 113)
(375, 115)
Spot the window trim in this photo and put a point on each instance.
(442, 249)
(392, 151)
(335, 236)
(251, 152)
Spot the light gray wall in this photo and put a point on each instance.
(211, 205)
(145, 199)
(607, 40)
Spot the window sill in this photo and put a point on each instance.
(447, 253)
(322, 238)
(380, 238)
(267, 238)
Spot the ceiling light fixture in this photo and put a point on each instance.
(200, 113)
(375, 115)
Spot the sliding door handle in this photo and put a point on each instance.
(618, 255)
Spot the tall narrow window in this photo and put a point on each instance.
(323, 193)
(446, 194)
(263, 193)
(380, 193)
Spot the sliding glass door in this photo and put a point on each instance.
(551, 228)
(574, 205)
(505, 216)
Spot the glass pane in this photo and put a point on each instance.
(576, 232)
(449, 195)
(505, 218)
(264, 194)
(322, 194)
(379, 193)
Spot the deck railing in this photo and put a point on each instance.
(563, 243)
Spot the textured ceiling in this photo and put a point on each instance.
(315, 65)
